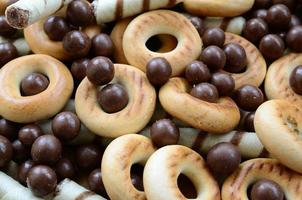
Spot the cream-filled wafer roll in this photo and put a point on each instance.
(24, 12)
(20, 44)
(232, 25)
(110, 10)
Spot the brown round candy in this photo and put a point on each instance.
(79, 13)
(261, 14)
(47, 149)
(249, 122)
(262, 3)
(5, 29)
(197, 72)
(224, 83)
(102, 45)
(294, 21)
(42, 180)
(95, 182)
(295, 80)
(255, 29)
(8, 52)
(8, 129)
(265, 189)
(272, 46)
(249, 97)
(137, 182)
(33, 84)
(164, 132)
(23, 171)
(77, 44)
(29, 133)
(112, 98)
(65, 169)
(213, 36)
(278, 17)
(223, 158)
(66, 126)
(6, 151)
(88, 156)
(56, 28)
(206, 92)
(79, 67)
(198, 24)
(158, 71)
(236, 59)
(21, 152)
(288, 3)
(294, 39)
(100, 70)
(213, 57)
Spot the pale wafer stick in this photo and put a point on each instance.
(232, 25)
(24, 13)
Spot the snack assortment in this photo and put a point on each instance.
(150, 99)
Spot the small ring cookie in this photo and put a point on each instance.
(256, 66)
(277, 79)
(157, 22)
(117, 160)
(220, 117)
(235, 187)
(26, 109)
(278, 126)
(133, 118)
(166, 164)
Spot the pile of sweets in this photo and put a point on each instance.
(150, 99)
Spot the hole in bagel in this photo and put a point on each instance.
(33, 84)
(186, 187)
(161, 43)
(136, 174)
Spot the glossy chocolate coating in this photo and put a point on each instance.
(6, 151)
(100, 70)
(197, 72)
(95, 182)
(5, 29)
(8, 52)
(206, 92)
(158, 71)
(294, 21)
(33, 84)
(78, 68)
(8, 129)
(88, 156)
(23, 171)
(255, 29)
(294, 39)
(249, 122)
(224, 83)
(102, 45)
(164, 132)
(198, 24)
(295, 80)
(249, 97)
(29, 133)
(213, 36)
(21, 152)
(261, 13)
(272, 46)
(288, 3)
(79, 13)
(56, 28)
(77, 44)
(65, 169)
(236, 59)
(213, 57)
(278, 17)
(265, 189)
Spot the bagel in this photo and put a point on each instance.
(166, 164)
(278, 126)
(236, 186)
(157, 22)
(220, 117)
(133, 118)
(117, 160)
(26, 109)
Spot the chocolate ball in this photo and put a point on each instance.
(206, 92)
(294, 21)
(77, 44)
(265, 189)
(8, 52)
(100, 70)
(249, 97)
(113, 98)
(198, 24)
(213, 57)
(47, 149)
(213, 36)
(66, 126)
(278, 17)
(65, 169)
(272, 46)
(197, 72)
(236, 59)
(8, 129)
(95, 182)
(42, 180)
(164, 132)
(6, 151)
(249, 122)
(288, 3)
(29, 133)
(224, 83)
(78, 68)
(262, 3)
(261, 13)
(23, 171)
(5, 29)
(295, 80)
(158, 71)
(102, 45)
(294, 39)
(255, 29)
(79, 13)
(33, 84)
(137, 182)
(223, 158)
(88, 156)
(21, 152)
(56, 28)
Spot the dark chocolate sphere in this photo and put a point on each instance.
(56, 28)
(77, 44)
(265, 189)
(102, 45)
(224, 83)
(272, 46)
(197, 72)
(33, 84)
(295, 80)
(79, 13)
(213, 57)
(249, 97)
(158, 71)
(213, 36)
(206, 92)
(29, 133)
(6, 151)
(236, 59)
